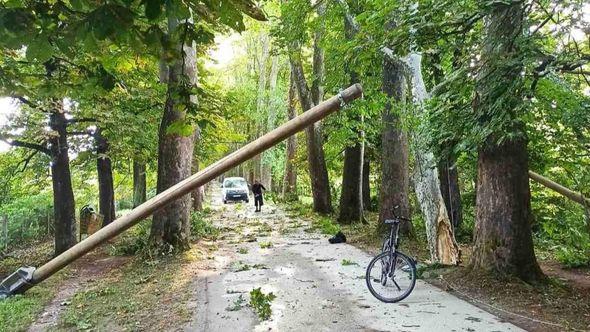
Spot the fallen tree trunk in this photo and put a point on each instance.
(564, 191)
(25, 278)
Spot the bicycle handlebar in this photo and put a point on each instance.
(395, 215)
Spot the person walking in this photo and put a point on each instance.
(257, 189)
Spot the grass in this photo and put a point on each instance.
(240, 266)
(347, 262)
(19, 312)
(237, 305)
(265, 245)
(127, 299)
(243, 251)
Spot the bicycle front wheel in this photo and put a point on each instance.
(391, 277)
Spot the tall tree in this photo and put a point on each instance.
(64, 206)
(104, 168)
(351, 200)
(139, 182)
(290, 181)
(197, 195)
(366, 192)
(503, 239)
(395, 177)
(261, 105)
(318, 172)
(171, 225)
(270, 121)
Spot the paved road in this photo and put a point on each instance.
(314, 291)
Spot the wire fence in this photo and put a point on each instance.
(18, 229)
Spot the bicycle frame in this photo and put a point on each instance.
(393, 241)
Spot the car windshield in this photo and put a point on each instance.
(234, 183)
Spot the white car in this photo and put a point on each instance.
(235, 189)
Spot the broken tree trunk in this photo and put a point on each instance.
(439, 230)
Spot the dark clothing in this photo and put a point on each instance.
(257, 191)
(258, 200)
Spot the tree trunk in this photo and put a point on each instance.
(198, 194)
(290, 181)
(270, 122)
(449, 187)
(447, 168)
(367, 184)
(503, 238)
(171, 225)
(439, 231)
(317, 85)
(318, 173)
(261, 106)
(351, 198)
(395, 178)
(139, 183)
(64, 207)
(106, 191)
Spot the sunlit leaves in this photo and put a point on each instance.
(181, 128)
(39, 49)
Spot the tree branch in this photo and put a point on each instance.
(28, 145)
(24, 101)
(80, 120)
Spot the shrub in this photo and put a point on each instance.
(202, 228)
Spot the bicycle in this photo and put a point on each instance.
(395, 277)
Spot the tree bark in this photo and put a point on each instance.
(64, 207)
(106, 191)
(171, 225)
(367, 184)
(351, 198)
(449, 187)
(139, 183)
(198, 194)
(261, 106)
(503, 238)
(318, 173)
(290, 181)
(447, 168)
(439, 231)
(270, 122)
(395, 177)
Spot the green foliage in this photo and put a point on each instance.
(326, 225)
(18, 312)
(348, 262)
(265, 245)
(260, 303)
(203, 228)
(134, 241)
(237, 304)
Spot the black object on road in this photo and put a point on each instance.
(338, 238)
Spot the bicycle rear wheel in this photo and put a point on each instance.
(391, 277)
